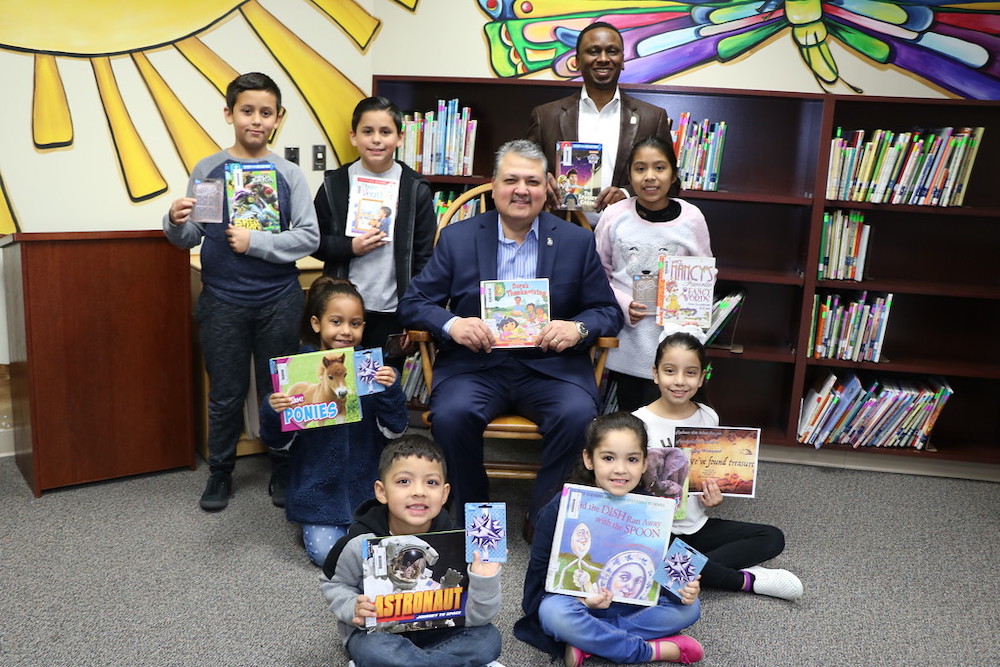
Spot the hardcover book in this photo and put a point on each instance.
(609, 542)
(252, 196)
(416, 582)
(323, 386)
(685, 290)
(578, 174)
(516, 309)
(727, 454)
(486, 531)
(681, 565)
(372, 205)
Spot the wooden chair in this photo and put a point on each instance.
(504, 427)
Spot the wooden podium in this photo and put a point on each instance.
(99, 325)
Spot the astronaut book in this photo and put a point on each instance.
(578, 174)
(486, 531)
(603, 541)
(324, 386)
(416, 582)
(252, 196)
(515, 310)
(682, 565)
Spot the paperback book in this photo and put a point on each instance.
(685, 290)
(681, 565)
(644, 290)
(323, 386)
(416, 582)
(727, 454)
(486, 531)
(609, 542)
(252, 196)
(578, 175)
(516, 309)
(372, 205)
(208, 200)
(667, 475)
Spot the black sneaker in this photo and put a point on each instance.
(217, 491)
(277, 489)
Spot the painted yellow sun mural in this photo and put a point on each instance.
(106, 31)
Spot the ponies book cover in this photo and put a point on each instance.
(609, 542)
(516, 309)
(325, 386)
(416, 582)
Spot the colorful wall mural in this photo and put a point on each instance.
(953, 46)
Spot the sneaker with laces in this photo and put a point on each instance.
(217, 491)
(775, 582)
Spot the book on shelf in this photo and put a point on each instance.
(685, 290)
(322, 385)
(441, 141)
(486, 532)
(516, 309)
(416, 582)
(727, 454)
(252, 196)
(412, 380)
(698, 147)
(929, 167)
(843, 245)
(849, 330)
(371, 205)
(602, 541)
(681, 565)
(723, 311)
(888, 412)
(578, 175)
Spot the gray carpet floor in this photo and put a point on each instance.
(897, 569)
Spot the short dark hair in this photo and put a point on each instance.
(594, 26)
(377, 104)
(416, 445)
(251, 81)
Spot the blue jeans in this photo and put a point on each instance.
(230, 335)
(618, 633)
(319, 539)
(447, 647)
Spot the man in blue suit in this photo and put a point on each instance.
(552, 383)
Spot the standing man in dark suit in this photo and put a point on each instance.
(598, 113)
(552, 383)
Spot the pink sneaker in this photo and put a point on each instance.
(574, 657)
(690, 649)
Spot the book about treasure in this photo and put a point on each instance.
(325, 387)
(416, 582)
(516, 310)
(603, 541)
(727, 454)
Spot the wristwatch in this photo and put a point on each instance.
(581, 329)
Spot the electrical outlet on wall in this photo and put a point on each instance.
(292, 154)
(319, 157)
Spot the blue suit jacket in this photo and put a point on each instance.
(467, 252)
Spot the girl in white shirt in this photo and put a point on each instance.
(734, 548)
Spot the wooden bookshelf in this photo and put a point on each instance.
(766, 221)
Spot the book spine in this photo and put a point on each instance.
(966, 171)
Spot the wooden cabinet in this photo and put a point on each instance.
(100, 346)
(766, 220)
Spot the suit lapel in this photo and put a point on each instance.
(626, 137)
(548, 245)
(486, 247)
(569, 121)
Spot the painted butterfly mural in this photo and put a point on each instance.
(953, 45)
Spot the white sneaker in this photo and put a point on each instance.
(775, 582)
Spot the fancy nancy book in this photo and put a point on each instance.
(686, 290)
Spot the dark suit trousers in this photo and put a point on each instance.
(464, 404)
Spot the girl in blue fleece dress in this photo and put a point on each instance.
(332, 469)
